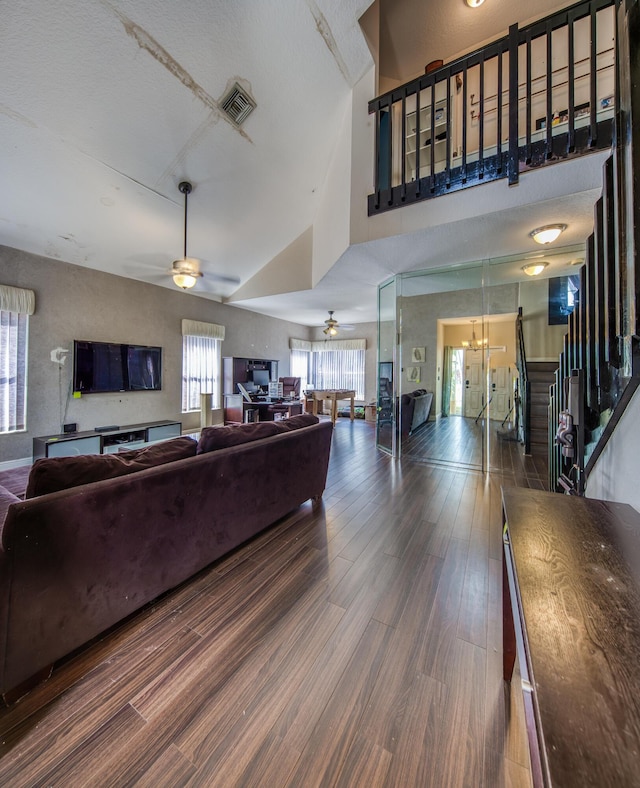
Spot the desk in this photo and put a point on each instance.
(333, 395)
(571, 613)
(235, 408)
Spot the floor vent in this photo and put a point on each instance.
(238, 104)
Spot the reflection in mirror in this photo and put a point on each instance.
(386, 363)
(458, 388)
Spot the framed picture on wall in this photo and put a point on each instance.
(413, 374)
(418, 355)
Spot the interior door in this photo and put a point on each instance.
(501, 391)
(473, 383)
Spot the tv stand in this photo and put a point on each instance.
(105, 441)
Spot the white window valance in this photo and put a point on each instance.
(323, 345)
(16, 299)
(328, 345)
(196, 328)
(299, 344)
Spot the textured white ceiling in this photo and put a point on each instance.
(106, 106)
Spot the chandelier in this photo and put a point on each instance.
(474, 343)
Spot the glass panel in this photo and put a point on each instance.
(454, 375)
(545, 302)
(442, 385)
(386, 422)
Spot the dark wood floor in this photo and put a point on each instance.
(357, 644)
(458, 441)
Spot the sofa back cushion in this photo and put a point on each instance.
(296, 422)
(60, 473)
(214, 438)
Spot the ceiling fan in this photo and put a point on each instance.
(332, 326)
(186, 271)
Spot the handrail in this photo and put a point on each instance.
(430, 139)
(524, 402)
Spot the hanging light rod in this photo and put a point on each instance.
(186, 271)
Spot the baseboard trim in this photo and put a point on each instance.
(10, 464)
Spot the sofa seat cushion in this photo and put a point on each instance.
(60, 473)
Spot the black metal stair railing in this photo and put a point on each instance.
(523, 404)
(494, 113)
(601, 355)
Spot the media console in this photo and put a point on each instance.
(106, 441)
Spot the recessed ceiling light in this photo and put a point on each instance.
(548, 233)
(474, 3)
(534, 269)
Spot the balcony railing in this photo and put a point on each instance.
(539, 95)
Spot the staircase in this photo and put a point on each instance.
(541, 375)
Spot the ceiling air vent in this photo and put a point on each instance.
(238, 104)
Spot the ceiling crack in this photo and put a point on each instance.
(327, 36)
(159, 53)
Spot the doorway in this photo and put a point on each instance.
(456, 378)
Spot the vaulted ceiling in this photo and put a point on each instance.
(106, 105)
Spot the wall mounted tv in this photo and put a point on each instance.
(100, 367)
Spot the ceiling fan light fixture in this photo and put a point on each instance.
(186, 271)
(330, 331)
(185, 281)
(534, 269)
(547, 234)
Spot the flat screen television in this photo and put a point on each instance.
(261, 378)
(100, 367)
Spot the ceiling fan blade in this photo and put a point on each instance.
(232, 280)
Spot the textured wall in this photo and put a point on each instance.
(77, 303)
(420, 315)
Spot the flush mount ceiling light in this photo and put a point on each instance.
(534, 269)
(474, 3)
(548, 233)
(474, 343)
(185, 272)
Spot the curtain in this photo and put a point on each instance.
(13, 370)
(338, 369)
(16, 304)
(200, 370)
(446, 379)
(196, 328)
(299, 367)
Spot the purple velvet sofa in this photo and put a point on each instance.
(75, 562)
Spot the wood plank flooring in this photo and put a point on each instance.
(458, 441)
(357, 643)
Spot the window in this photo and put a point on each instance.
(201, 349)
(339, 369)
(335, 364)
(15, 307)
(299, 367)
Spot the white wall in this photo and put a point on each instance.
(615, 474)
